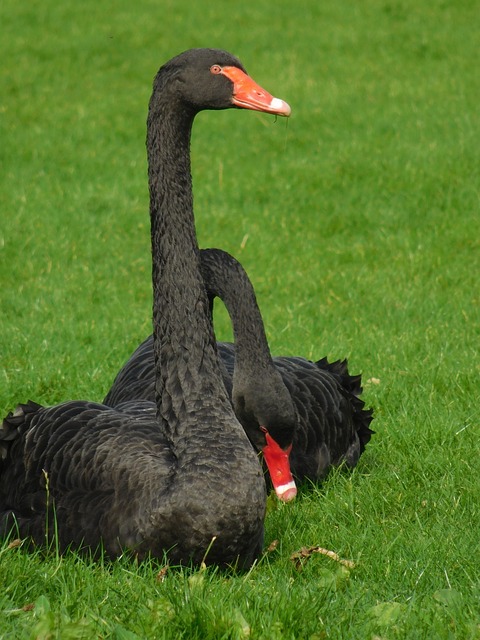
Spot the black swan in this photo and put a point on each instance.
(177, 476)
(311, 409)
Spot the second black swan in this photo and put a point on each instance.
(311, 409)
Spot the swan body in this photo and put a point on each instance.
(174, 474)
(311, 409)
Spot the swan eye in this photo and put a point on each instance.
(216, 69)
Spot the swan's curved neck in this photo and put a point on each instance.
(251, 347)
(184, 343)
(228, 280)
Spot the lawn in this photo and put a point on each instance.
(358, 221)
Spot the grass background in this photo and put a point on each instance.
(358, 222)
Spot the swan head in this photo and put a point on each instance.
(215, 79)
(266, 411)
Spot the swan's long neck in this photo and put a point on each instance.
(252, 352)
(187, 374)
(228, 280)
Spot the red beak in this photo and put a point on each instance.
(279, 469)
(249, 95)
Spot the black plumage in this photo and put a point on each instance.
(171, 474)
(313, 406)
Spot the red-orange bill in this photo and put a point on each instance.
(249, 95)
(278, 465)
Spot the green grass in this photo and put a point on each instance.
(359, 224)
